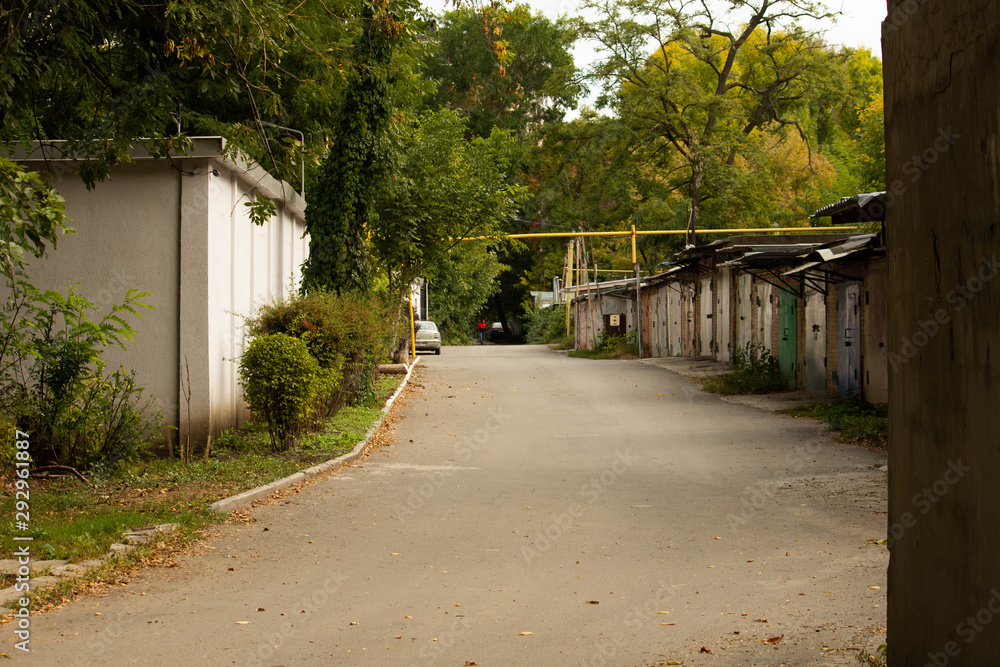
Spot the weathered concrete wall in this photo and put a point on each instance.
(942, 101)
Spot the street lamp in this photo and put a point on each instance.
(302, 143)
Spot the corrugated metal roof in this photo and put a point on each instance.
(835, 252)
(859, 201)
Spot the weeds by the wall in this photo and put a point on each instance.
(855, 420)
(755, 371)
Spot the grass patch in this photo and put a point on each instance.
(340, 434)
(75, 522)
(855, 420)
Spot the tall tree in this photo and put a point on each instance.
(712, 82)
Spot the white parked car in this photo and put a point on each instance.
(428, 337)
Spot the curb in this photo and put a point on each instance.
(246, 498)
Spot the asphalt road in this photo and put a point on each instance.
(532, 509)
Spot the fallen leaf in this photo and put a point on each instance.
(874, 588)
(668, 624)
(760, 620)
(705, 649)
(353, 623)
(261, 609)
(398, 637)
(718, 538)
(593, 602)
(469, 662)
(774, 641)
(663, 612)
(744, 614)
(393, 554)
(242, 622)
(524, 634)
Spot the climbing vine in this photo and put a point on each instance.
(341, 207)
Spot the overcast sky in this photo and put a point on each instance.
(859, 25)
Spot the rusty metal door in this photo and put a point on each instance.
(675, 319)
(814, 364)
(744, 311)
(849, 338)
(765, 316)
(688, 341)
(788, 335)
(724, 322)
(875, 361)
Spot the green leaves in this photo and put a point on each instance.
(279, 379)
(504, 68)
(32, 216)
(446, 188)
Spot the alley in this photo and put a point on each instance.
(531, 509)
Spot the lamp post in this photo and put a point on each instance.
(302, 144)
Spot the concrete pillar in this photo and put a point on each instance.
(942, 102)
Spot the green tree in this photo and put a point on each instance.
(505, 68)
(461, 283)
(101, 74)
(446, 188)
(707, 89)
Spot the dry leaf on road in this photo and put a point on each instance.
(773, 641)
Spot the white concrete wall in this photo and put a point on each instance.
(249, 265)
(183, 232)
(126, 238)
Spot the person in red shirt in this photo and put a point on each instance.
(481, 328)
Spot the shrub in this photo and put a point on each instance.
(279, 378)
(110, 421)
(612, 346)
(52, 381)
(346, 334)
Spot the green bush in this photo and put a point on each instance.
(545, 325)
(348, 335)
(755, 371)
(279, 378)
(52, 380)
